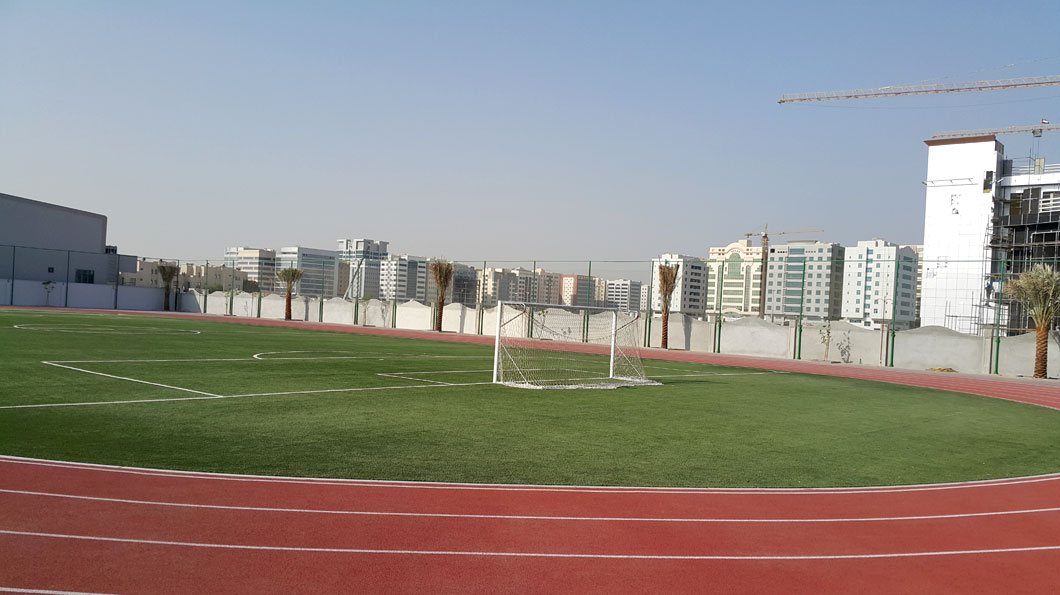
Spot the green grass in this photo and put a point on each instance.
(705, 426)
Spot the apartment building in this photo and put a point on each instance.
(804, 278)
(319, 270)
(735, 279)
(624, 294)
(879, 284)
(363, 258)
(403, 277)
(690, 288)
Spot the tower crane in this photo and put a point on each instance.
(764, 234)
(1036, 130)
(929, 89)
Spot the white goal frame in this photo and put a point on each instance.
(632, 371)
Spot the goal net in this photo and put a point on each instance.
(556, 346)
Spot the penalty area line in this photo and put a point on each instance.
(187, 390)
(335, 550)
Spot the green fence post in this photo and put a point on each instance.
(718, 302)
(356, 309)
(533, 288)
(117, 278)
(13, 250)
(204, 282)
(802, 309)
(997, 323)
(66, 297)
(259, 302)
(894, 310)
(393, 314)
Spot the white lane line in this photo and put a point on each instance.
(335, 550)
(48, 591)
(438, 485)
(519, 517)
(187, 390)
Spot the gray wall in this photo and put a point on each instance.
(35, 224)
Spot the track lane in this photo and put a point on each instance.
(413, 497)
(134, 568)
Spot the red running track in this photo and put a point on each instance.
(70, 527)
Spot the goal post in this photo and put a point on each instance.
(559, 346)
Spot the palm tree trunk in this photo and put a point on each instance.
(165, 301)
(438, 318)
(1041, 350)
(287, 307)
(665, 325)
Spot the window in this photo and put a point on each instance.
(84, 276)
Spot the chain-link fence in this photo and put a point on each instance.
(888, 308)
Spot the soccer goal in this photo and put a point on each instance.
(557, 346)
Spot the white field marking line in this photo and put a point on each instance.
(711, 374)
(356, 389)
(331, 550)
(519, 517)
(379, 356)
(392, 483)
(414, 379)
(148, 361)
(210, 397)
(48, 591)
(106, 330)
(188, 390)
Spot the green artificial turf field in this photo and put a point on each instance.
(215, 396)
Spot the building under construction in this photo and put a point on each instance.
(988, 217)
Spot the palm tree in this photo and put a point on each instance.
(667, 281)
(289, 277)
(168, 272)
(1039, 290)
(443, 276)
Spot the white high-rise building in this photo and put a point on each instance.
(363, 257)
(623, 294)
(804, 278)
(870, 295)
(319, 270)
(739, 266)
(259, 265)
(690, 288)
(403, 278)
(961, 176)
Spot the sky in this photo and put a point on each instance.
(499, 130)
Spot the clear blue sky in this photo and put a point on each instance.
(501, 130)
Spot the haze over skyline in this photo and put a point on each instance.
(503, 131)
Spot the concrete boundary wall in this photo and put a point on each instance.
(837, 342)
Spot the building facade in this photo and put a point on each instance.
(363, 257)
(804, 278)
(735, 279)
(404, 278)
(690, 288)
(319, 270)
(623, 294)
(44, 242)
(960, 195)
(879, 284)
